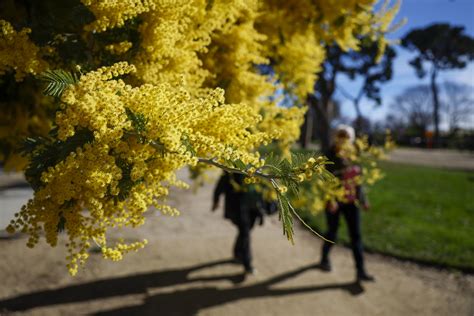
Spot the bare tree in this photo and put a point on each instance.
(457, 104)
(414, 107)
(394, 123)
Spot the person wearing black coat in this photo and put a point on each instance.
(241, 208)
(346, 171)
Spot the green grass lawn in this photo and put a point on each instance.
(420, 213)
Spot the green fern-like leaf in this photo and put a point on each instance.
(272, 160)
(57, 81)
(285, 168)
(138, 120)
(189, 146)
(298, 159)
(239, 164)
(44, 153)
(159, 146)
(126, 183)
(286, 217)
(293, 187)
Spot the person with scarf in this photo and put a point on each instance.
(348, 172)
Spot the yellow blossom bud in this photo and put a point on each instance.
(301, 177)
(282, 189)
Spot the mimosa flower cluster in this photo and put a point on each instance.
(18, 53)
(147, 87)
(318, 193)
(139, 163)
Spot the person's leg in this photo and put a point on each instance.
(332, 219)
(238, 245)
(247, 222)
(244, 234)
(352, 215)
(253, 218)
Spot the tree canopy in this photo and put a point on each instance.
(367, 63)
(441, 46)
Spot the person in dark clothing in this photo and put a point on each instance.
(242, 209)
(346, 172)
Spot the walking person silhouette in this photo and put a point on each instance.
(241, 207)
(347, 172)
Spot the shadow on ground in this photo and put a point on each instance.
(15, 185)
(179, 302)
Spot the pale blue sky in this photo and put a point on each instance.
(419, 13)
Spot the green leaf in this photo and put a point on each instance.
(139, 125)
(285, 216)
(285, 167)
(340, 21)
(159, 146)
(138, 120)
(45, 153)
(239, 164)
(298, 159)
(126, 183)
(57, 81)
(209, 4)
(187, 143)
(30, 144)
(293, 186)
(272, 160)
(281, 36)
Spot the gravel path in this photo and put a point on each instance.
(185, 270)
(443, 158)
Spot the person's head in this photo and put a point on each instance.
(344, 133)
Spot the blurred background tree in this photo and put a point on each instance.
(414, 109)
(457, 105)
(441, 47)
(365, 64)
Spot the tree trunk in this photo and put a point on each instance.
(358, 122)
(307, 128)
(322, 120)
(325, 133)
(326, 87)
(434, 91)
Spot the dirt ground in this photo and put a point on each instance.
(186, 270)
(442, 158)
